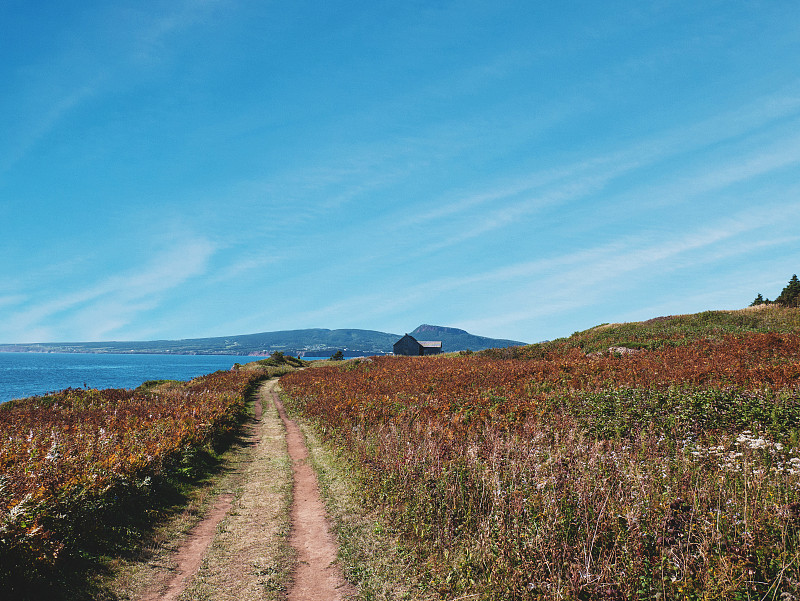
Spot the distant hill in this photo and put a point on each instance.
(310, 342)
(454, 339)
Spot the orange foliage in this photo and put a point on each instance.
(79, 443)
(487, 389)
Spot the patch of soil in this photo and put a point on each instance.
(189, 556)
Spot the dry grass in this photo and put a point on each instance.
(250, 556)
(605, 326)
(131, 576)
(752, 308)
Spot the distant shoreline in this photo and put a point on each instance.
(312, 356)
(315, 342)
(116, 352)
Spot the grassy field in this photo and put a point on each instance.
(665, 468)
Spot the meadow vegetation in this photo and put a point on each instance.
(85, 473)
(674, 330)
(665, 468)
(651, 460)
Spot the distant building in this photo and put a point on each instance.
(408, 345)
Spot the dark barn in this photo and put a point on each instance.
(408, 345)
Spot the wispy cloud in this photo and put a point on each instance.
(11, 300)
(572, 281)
(108, 305)
(584, 278)
(48, 98)
(515, 209)
(241, 267)
(745, 156)
(528, 185)
(155, 33)
(43, 125)
(723, 128)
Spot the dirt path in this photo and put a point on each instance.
(317, 576)
(239, 550)
(190, 554)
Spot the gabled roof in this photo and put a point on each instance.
(430, 343)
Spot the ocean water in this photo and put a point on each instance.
(29, 374)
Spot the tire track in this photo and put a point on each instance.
(238, 550)
(317, 576)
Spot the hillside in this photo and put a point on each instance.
(672, 330)
(315, 341)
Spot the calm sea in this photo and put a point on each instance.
(29, 374)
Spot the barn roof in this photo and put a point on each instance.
(430, 343)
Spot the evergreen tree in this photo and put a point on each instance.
(759, 300)
(790, 296)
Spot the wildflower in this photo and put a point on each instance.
(53, 453)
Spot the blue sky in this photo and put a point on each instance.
(518, 169)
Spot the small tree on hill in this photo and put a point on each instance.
(337, 356)
(759, 301)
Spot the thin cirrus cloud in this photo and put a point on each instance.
(150, 41)
(114, 302)
(574, 182)
(586, 278)
(38, 130)
(753, 163)
(720, 129)
(241, 267)
(565, 184)
(95, 74)
(509, 189)
(608, 262)
(601, 268)
(376, 167)
(514, 210)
